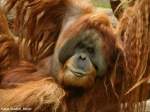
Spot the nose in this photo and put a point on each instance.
(82, 57)
(82, 61)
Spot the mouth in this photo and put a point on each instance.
(77, 73)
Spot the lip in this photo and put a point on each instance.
(78, 74)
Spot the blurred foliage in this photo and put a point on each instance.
(101, 3)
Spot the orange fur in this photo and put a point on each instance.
(25, 59)
(38, 25)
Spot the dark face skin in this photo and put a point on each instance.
(82, 59)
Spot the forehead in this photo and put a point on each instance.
(90, 37)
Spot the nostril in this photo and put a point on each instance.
(82, 61)
(82, 57)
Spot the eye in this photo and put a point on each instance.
(80, 45)
(90, 50)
